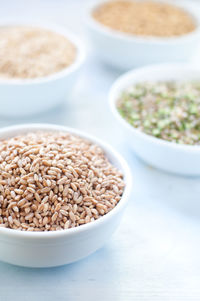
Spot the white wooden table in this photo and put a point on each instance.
(155, 254)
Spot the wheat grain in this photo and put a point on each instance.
(74, 182)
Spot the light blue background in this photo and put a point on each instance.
(154, 255)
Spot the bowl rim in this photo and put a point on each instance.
(123, 82)
(112, 154)
(191, 9)
(56, 28)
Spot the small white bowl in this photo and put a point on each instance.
(169, 156)
(54, 248)
(20, 97)
(126, 51)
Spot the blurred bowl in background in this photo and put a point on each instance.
(169, 156)
(21, 97)
(125, 51)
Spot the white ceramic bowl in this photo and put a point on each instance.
(47, 249)
(126, 51)
(30, 96)
(169, 156)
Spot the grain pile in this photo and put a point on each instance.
(53, 181)
(145, 18)
(28, 52)
(166, 110)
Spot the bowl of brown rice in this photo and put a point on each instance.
(63, 194)
(131, 33)
(39, 64)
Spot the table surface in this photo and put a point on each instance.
(154, 255)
